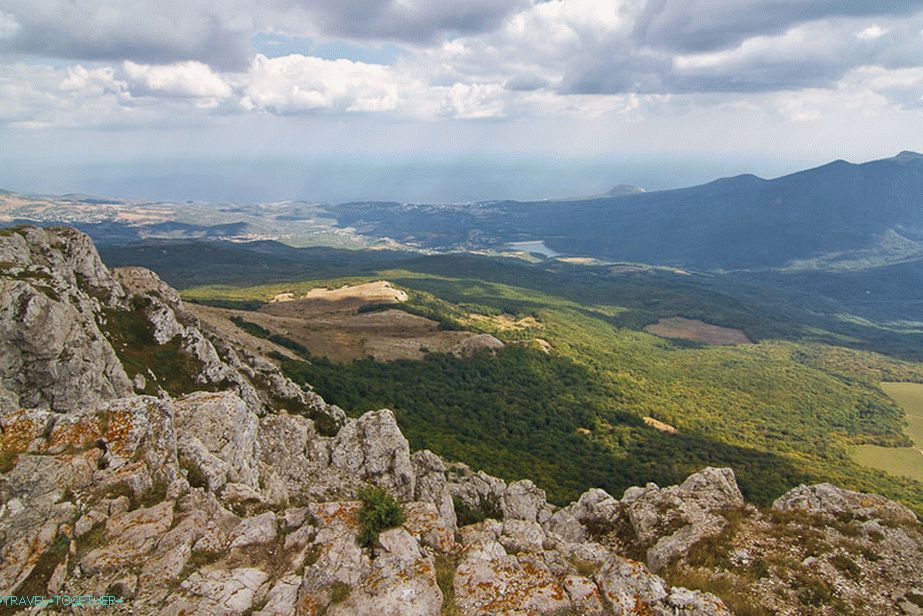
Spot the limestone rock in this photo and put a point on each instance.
(255, 530)
(428, 526)
(401, 580)
(132, 535)
(472, 344)
(523, 500)
(828, 499)
(490, 581)
(281, 599)
(685, 602)
(480, 492)
(521, 536)
(373, 449)
(431, 485)
(227, 429)
(224, 592)
(672, 519)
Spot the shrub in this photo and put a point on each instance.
(379, 512)
(339, 592)
(472, 515)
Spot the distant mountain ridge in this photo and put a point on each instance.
(822, 217)
(838, 216)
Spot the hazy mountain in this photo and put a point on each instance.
(839, 214)
(624, 189)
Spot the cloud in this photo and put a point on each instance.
(472, 60)
(872, 32)
(298, 83)
(8, 26)
(402, 20)
(115, 30)
(474, 101)
(902, 87)
(705, 25)
(183, 79)
(812, 54)
(220, 33)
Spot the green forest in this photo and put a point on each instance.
(784, 411)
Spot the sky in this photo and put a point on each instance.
(446, 100)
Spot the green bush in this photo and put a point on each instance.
(380, 511)
(472, 515)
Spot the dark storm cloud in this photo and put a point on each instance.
(705, 25)
(114, 30)
(414, 20)
(219, 33)
(751, 49)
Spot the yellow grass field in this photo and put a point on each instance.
(906, 461)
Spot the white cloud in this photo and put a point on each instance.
(183, 79)
(474, 101)
(872, 32)
(901, 87)
(8, 26)
(297, 83)
(92, 82)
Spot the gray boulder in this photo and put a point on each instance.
(373, 449)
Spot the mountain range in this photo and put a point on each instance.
(837, 216)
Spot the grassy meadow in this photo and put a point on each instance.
(903, 461)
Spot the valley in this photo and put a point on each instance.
(573, 396)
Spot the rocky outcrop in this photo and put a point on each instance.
(672, 519)
(242, 500)
(75, 334)
(52, 287)
(373, 449)
(472, 345)
(828, 500)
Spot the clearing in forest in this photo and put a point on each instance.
(697, 331)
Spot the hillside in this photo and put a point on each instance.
(782, 411)
(176, 472)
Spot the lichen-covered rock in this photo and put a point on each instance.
(131, 535)
(670, 520)
(828, 499)
(222, 423)
(401, 580)
(521, 536)
(627, 584)
(431, 485)
(490, 581)
(428, 526)
(523, 500)
(373, 449)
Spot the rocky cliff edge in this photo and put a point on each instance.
(145, 457)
